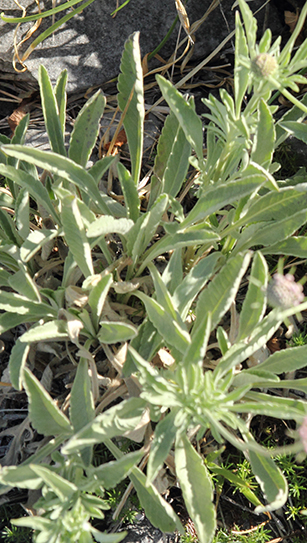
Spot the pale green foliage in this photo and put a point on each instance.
(240, 206)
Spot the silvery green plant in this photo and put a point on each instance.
(211, 253)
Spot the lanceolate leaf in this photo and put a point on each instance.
(221, 292)
(115, 421)
(130, 192)
(263, 148)
(157, 510)
(115, 332)
(216, 198)
(51, 112)
(255, 300)
(193, 282)
(35, 241)
(76, 236)
(81, 402)
(61, 99)
(14, 303)
(196, 488)
(164, 436)
(61, 487)
(171, 163)
(18, 358)
(45, 415)
(86, 127)
(66, 169)
(111, 473)
(34, 186)
(272, 232)
(285, 360)
(294, 246)
(169, 328)
(275, 205)
(97, 298)
(185, 113)
(130, 88)
(271, 480)
(55, 329)
(145, 227)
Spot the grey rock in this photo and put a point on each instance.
(144, 532)
(90, 45)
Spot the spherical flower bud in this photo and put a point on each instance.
(282, 291)
(264, 65)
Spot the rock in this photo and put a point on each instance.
(90, 44)
(143, 532)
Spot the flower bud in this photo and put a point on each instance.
(282, 291)
(264, 65)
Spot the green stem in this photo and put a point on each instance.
(165, 39)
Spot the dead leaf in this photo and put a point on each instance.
(291, 19)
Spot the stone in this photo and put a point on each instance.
(90, 44)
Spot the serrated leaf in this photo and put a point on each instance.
(185, 113)
(271, 480)
(51, 112)
(130, 88)
(44, 414)
(86, 127)
(75, 235)
(220, 293)
(196, 488)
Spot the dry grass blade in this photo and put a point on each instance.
(184, 19)
(26, 38)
